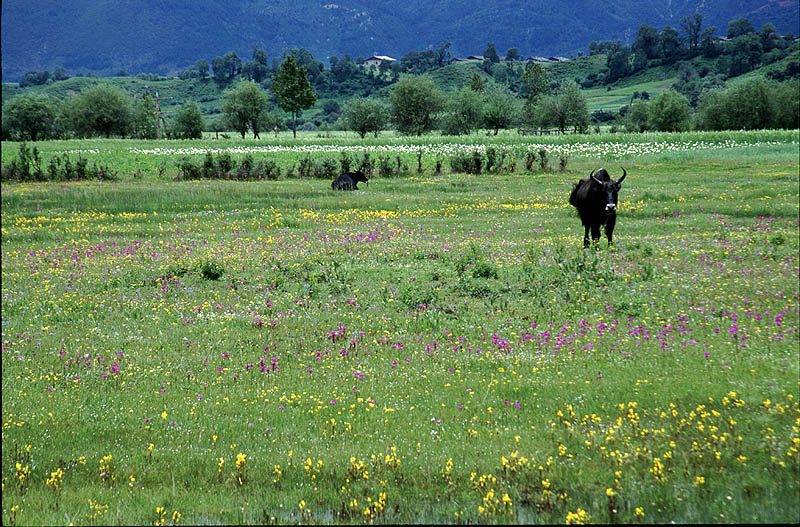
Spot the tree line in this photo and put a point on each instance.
(107, 111)
(525, 94)
(414, 107)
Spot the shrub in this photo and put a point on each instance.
(328, 168)
(344, 161)
(209, 170)
(485, 269)
(366, 165)
(224, 164)
(305, 167)
(27, 166)
(543, 159)
(670, 112)
(189, 169)
(267, 169)
(530, 159)
(211, 270)
(469, 162)
(415, 295)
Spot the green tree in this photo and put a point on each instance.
(415, 101)
(463, 112)
(535, 81)
(574, 102)
(145, 119)
(750, 105)
(618, 62)
(499, 112)
(255, 71)
(490, 53)
(534, 85)
(232, 64)
(566, 108)
(638, 117)
(365, 116)
(103, 110)
(243, 105)
(786, 101)
(60, 74)
(202, 68)
(744, 54)
(218, 65)
(292, 89)
(670, 44)
(259, 55)
(476, 83)
(767, 36)
(189, 122)
(692, 25)
(737, 28)
(29, 116)
(670, 112)
(647, 42)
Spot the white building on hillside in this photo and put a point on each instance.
(376, 60)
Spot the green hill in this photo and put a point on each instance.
(174, 92)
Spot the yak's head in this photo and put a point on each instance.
(359, 177)
(607, 187)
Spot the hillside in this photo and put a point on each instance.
(152, 36)
(174, 91)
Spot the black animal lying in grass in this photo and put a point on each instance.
(349, 181)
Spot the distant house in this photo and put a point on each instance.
(471, 58)
(559, 59)
(376, 60)
(539, 59)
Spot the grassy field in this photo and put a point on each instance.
(431, 348)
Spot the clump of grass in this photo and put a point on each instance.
(211, 270)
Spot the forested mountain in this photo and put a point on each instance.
(166, 36)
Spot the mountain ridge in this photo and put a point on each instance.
(156, 36)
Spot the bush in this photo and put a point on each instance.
(27, 166)
(245, 168)
(543, 159)
(389, 168)
(367, 164)
(750, 105)
(344, 161)
(267, 169)
(189, 169)
(485, 269)
(327, 168)
(670, 112)
(211, 270)
(467, 162)
(224, 164)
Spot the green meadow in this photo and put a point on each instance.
(435, 347)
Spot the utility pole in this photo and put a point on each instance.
(160, 112)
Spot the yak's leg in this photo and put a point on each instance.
(586, 237)
(610, 229)
(596, 235)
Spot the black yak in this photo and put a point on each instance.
(349, 181)
(595, 198)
